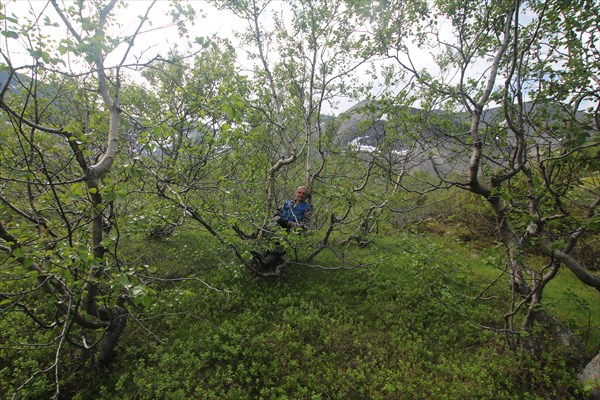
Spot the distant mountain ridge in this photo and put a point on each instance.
(13, 84)
(366, 119)
(425, 137)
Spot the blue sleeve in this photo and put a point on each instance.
(286, 212)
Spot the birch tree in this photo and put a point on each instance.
(533, 161)
(60, 176)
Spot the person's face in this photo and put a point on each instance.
(301, 194)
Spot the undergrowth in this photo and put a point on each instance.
(404, 323)
(404, 326)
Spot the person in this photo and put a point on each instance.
(295, 213)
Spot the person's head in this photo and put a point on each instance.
(302, 193)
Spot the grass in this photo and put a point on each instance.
(573, 303)
(398, 328)
(401, 324)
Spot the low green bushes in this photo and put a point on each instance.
(402, 326)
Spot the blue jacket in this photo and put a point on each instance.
(295, 213)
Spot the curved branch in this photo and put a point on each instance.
(31, 124)
(474, 164)
(36, 220)
(163, 187)
(47, 283)
(29, 312)
(581, 273)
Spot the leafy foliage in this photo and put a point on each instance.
(395, 329)
(102, 177)
(385, 327)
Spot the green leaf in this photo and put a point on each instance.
(137, 291)
(18, 252)
(8, 18)
(109, 196)
(10, 34)
(88, 24)
(120, 197)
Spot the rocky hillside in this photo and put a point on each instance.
(424, 137)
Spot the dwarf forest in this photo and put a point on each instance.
(300, 199)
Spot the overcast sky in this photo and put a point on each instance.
(162, 35)
(157, 38)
